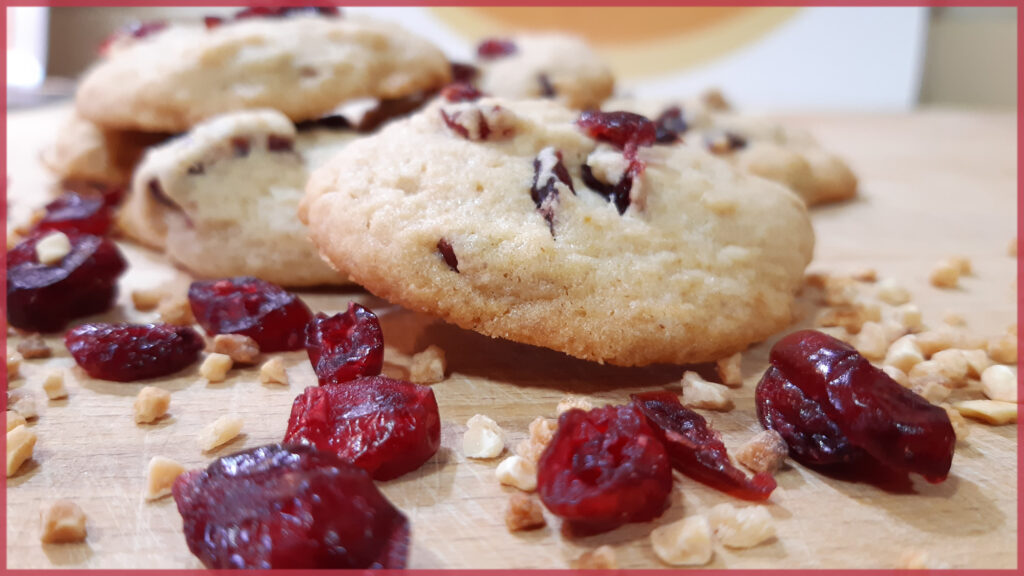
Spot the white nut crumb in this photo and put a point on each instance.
(53, 385)
(483, 439)
(570, 402)
(62, 522)
(215, 367)
(927, 378)
(600, 558)
(150, 404)
(904, 353)
(962, 264)
(945, 274)
(524, 513)
(428, 366)
(741, 527)
(932, 341)
(840, 291)
(541, 431)
(729, 370)
(896, 374)
(52, 248)
(891, 292)
(20, 443)
(33, 346)
(989, 411)
(765, 452)
(176, 311)
(273, 372)
(13, 364)
(1003, 349)
(147, 299)
(241, 349)
(14, 420)
(909, 317)
(24, 403)
(953, 365)
(999, 383)
(870, 309)
(160, 475)
(954, 319)
(849, 318)
(683, 543)
(874, 339)
(960, 428)
(977, 362)
(517, 472)
(220, 432)
(699, 393)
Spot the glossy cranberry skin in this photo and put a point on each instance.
(275, 318)
(495, 48)
(460, 92)
(345, 346)
(73, 212)
(289, 506)
(130, 352)
(697, 450)
(624, 130)
(832, 406)
(670, 125)
(604, 468)
(44, 298)
(384, 426)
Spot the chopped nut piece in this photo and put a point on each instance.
(840, 291)
(928, 373)
(954, 319)
(33, 346)
(729, 371)
(990, 411)
(765, 452)
(961, 263)
(53, 385)
(875, 337)
(20, 443)
(517, 472)
(898, 375)
(1003, 349)
(52, 248)
(541, 431)
(428, 366)
(63, 522)
(999, 383)
(600, 558)
(866, 275)
(953, 365)
(147, 299)
(699, 393)
(160, 475)
(220, 432)
(150, 404)
(891, 292)
(215, 367)
(870, 310)
(176, 311)
(816, 279)
(273, 372)
(24, 403)
(977, 362)
(741, 527)
(960, 427)
(14, 420)
(483, 439)
(904, 353)
(13, 364)
(241, 349)
(524, 513)
(570, 402)
(943, 338)
(945, 274)
(909, 317)
(683, 543)
(848, 317)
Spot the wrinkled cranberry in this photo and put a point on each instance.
(44, 298)
(74, 212)
(670, 125)
(463, 73)
(386, 427)
(448, 254)
(624, 130)
(345, 346)
(548, 171)
(617, 193)
(492, 48)
(460, 92)
(833, 407)
(697, 450)
(133, 30)
(393, 108)
(604, 468)
(275, 318)
(129, 352)
(289, 506)
(547, 90)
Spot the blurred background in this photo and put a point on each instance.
(773, 59)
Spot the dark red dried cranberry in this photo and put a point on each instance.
(212, 22)
(459, 92)
(345, 346)
(833, 407)
(492, 48)
(283, 11)
(277, 143)
(448, 254)
(330, 122)
(240, 146)
(617, 194)
(463, 73)
(44, 298)
(670, 125)
(289, 507)
(393, 108)
(624, 130)
(129, 352)
(547, 90)
(74, 212)
(275, 318)
(697, 450)
(548, 171)
(133, 30)
(386, 427)
(604, 468)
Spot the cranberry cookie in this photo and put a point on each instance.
(530, 221)
(84, 151)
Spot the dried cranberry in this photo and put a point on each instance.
(393, 108)
(277, 143)
(697, 450)
(463, 73)
(548, 171)
(345, 346)
(133, 30)
(284, 11)
(129, 352)
(289, 507)
(386, 427)
(448, 254)
(44, 298)
(330, 122)
(670, 125)
(460, 92)
(833, 407)
(275, 318)
(547, 90)
(604, 468)
(74, 212)
(617, 194)
(492, 48)
(212, 22)
(624, 130)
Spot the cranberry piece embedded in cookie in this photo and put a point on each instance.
(393, 108)
(670, 125)
(464, 73)
(478, 123)
(547, 90)
(624, 130)
(44, 298)
(277, 143)
(275, 318)
(724, 142)
(448, 254)
(129, 352)
(345, 346)
(460, 92)
(386, 427)
(74, 212)
(492, 48)
(617, 193)
(289, 506)
(548, 172)
(284, 11)
(330, 122)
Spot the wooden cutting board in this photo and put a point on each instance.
(934, 184)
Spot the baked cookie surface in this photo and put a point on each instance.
(84, 151)
(465, 211)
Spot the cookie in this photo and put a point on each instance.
(302, 65)
(221, 200)
(544, 66)
(84, 151)
(481, 213)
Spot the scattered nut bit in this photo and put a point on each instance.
(875, 337)
(904, 353)
(840, 291)
(160, 475)
(428, 366)
(600, 558)
(52, 248)
(960, 427)
(241, 349)
(220, 432)
(13, 364)
(150, 404)
(919, 560)
(570, 402)
(1003, 349)
(147, 299)
(1011, 249)
(24, 403)
(999, 382)
(891, 292)
(962, 264)
(926, 376)
(990, 411)
(729, 371)
(215, 367)
(33, 346)
(977, 362)
(176, 311)
(849, 317)
(943, 338)
(273, 372)
(25, 228)
(14, 420)
(899, 376)
(945, 274)
(53, 385)
(483, 439)
(865, 275)
(909, 317)
(765, 452)
(517, 472)
(20, 443)
(541, 431)
(683, 543)
(954, 319)
(524, 513)
(741, 527)
(870, 310)
(699, 393)
(63, 522)
(953, 365)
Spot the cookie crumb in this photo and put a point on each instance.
(52, 248)
(517, 472)
(765, 452)
(524, 513)
(541, 431)
(683, 543)
(483, 439)
(63, 522)
(241, 349)
(160, 475)
(147, 299)
(571, 401)
(20, 443)
(741, 527)
(600, 558)
(999, 382)
(273, 372)
(150, 404)
(699, 393)
(53, 385)
(220, 432)
(428, 366)
(988, 411)
(33, 346)
(14, 420)
(215, 367)
(945, 274)
(176, 311)
(729, 370)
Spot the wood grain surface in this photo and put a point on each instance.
(934, 184)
